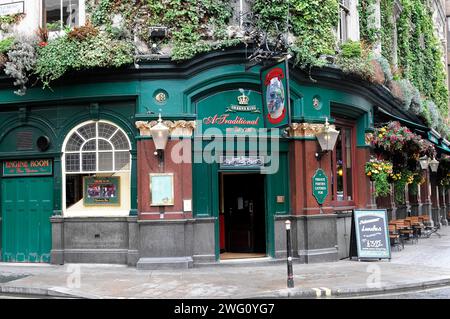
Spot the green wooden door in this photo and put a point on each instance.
(27, 205)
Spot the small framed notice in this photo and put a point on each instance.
(161, 189)
(101, 191)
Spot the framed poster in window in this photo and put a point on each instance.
(161, 189)
(101, 191)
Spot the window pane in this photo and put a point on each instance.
(105, 161)
(89, 162)
(90, 146)
(106, 130)
(72, 162)
(348, 162)
(339, 169)
(53, 15)
(87, 131)
(122, 161)
(70, 12)
(74, 143)
(104, 145)
(120, 141)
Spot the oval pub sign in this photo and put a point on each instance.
(320, 186)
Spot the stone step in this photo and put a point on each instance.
(156, 263)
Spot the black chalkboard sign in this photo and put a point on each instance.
(370, 235)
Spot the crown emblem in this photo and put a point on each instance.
(243, 99)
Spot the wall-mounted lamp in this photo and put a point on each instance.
(424, 162)
(327, 138)
(160, 135)
(434, 164)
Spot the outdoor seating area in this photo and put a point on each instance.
(410, 230)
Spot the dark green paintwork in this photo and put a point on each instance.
(27, 204)
(130, 97)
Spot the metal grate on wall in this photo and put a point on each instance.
(24, 140)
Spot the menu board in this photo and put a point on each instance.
(371, 233)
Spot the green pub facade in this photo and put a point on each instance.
(81, 182)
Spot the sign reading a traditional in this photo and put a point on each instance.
(276, 98)
(320, 186)
(35, 167)
(371, 234)
(101, 191)
(233, 112)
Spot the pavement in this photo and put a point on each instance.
(420, 266)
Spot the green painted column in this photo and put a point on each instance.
(57, 186)
(133, 201)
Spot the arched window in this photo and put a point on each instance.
(96, 167)
(97, 147)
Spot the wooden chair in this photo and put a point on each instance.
(416, 225)
(394, 237)
(412, 230)
(405, 229)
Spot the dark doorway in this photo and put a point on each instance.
(243, 214)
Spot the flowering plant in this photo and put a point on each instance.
(392, 137)
(400, 180)
(379, 170)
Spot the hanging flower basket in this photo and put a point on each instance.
(402, 147)
(379, 171)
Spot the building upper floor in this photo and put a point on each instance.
(377, 40)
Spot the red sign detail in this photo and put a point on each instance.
(276, 72)
(277, 120)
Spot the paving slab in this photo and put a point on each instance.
(426, 264)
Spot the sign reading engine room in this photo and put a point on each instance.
(28, 167)
(232, 112)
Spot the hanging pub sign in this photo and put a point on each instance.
(320, 186)
(275, 95)
(101, 191)
(35, 167)
(370, 235)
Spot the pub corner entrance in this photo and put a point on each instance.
(242, 217)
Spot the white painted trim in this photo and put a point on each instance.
(98, 211)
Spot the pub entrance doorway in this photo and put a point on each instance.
(242, 218)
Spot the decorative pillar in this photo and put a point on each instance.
(133, 204)
(425, 195)
(364, 187)
(414, 199)
(442, 205)
(181, 168)
(57, 186)
(435, 207)
(314, 226)
(403, 208)
(388, 203)
(303, 166)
